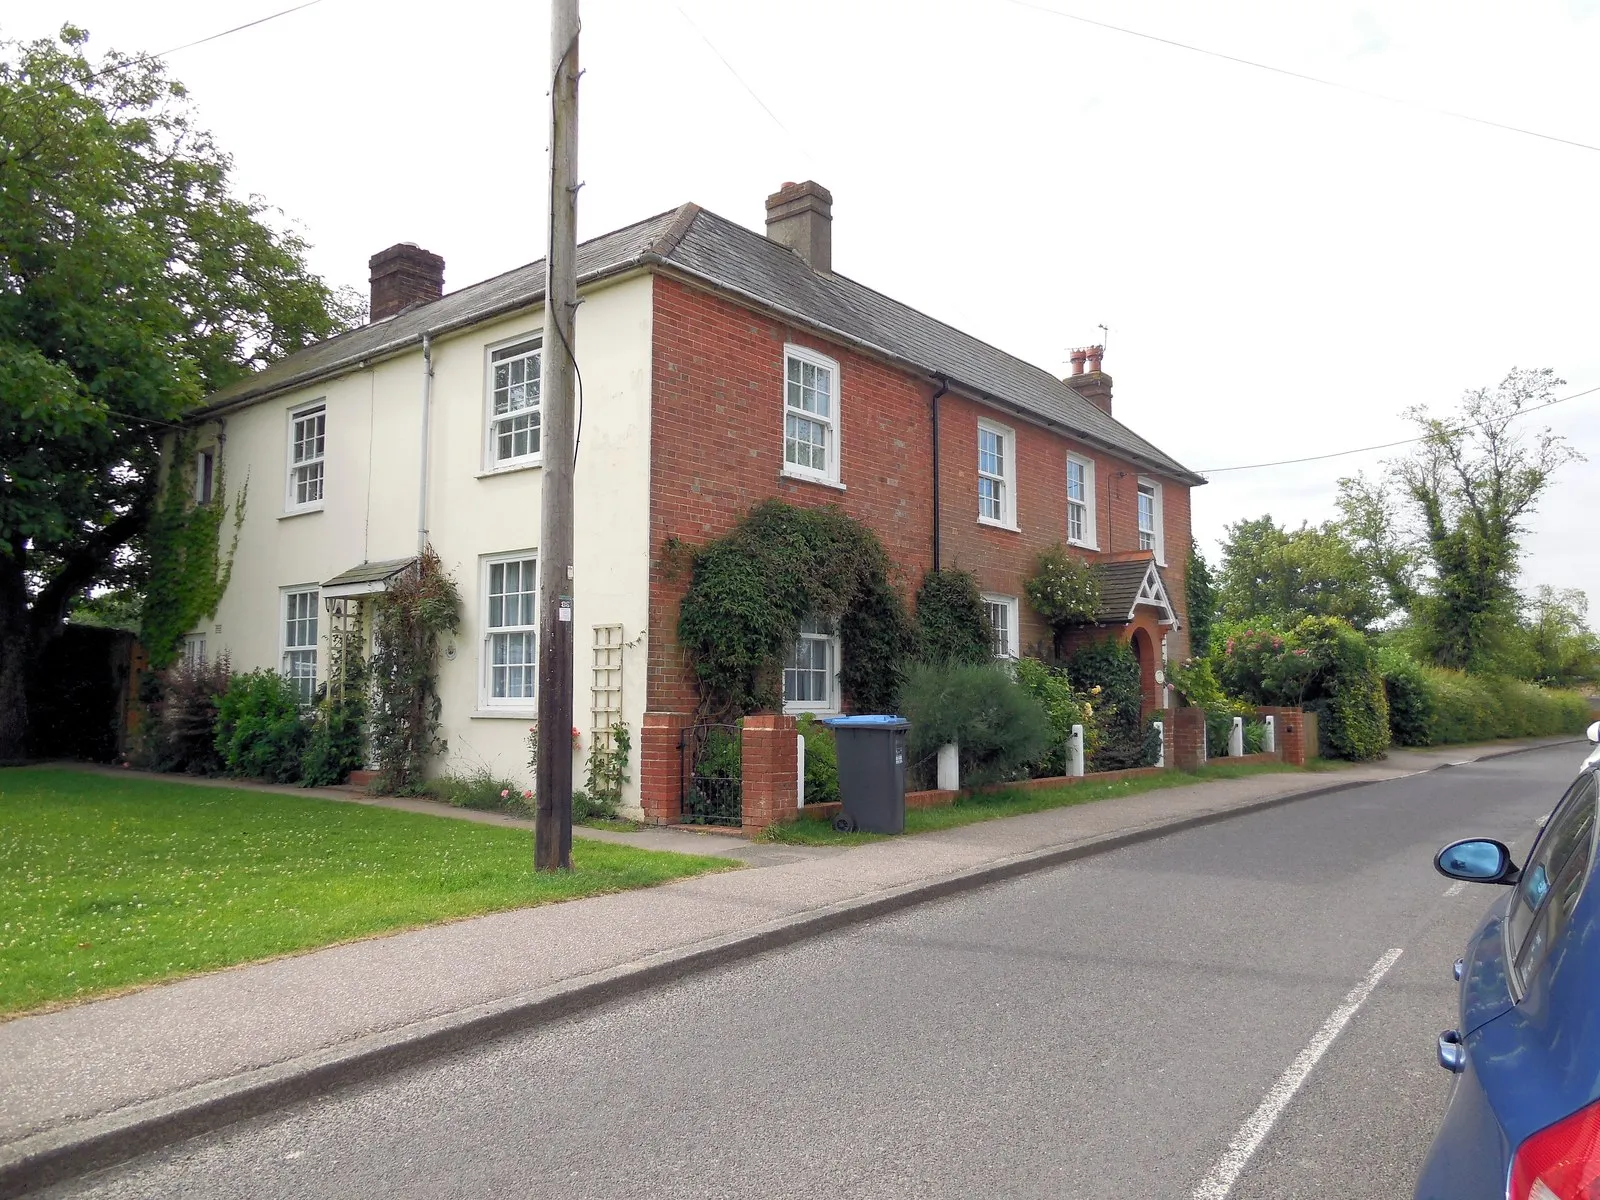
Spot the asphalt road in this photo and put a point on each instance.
(1104, 1029)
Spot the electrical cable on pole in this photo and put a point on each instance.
(553, 771)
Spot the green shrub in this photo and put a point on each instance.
(607, 775)
(337, 743)
(1480, 708)
(1064, 707)
(1411, 699)
(1255, 736)
(1108, 672)
(1151, 746)
(721, 757)
(822, 761)
(180, 733)
(1330, 662)
(1064, 590)
(1323, 665)
(483, 790)
(261, 728)
(999, 727)
(952, 623)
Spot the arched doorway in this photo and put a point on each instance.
(1144, 650)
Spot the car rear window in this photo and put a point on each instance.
(1552, 881)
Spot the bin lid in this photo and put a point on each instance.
(867, 721)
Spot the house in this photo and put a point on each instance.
(720, 367)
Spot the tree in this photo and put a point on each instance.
(132, 284)
(1459, 504)
(1286, 575)
(1564, 651)
(1200, 601)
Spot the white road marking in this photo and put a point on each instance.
(1456, 888)
(1226, 1170)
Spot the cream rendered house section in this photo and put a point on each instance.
(369, 511)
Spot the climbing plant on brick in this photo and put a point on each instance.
(750, 590)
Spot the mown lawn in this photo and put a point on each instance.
(107, 882)
(989, 806)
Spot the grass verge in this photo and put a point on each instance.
(989, 806)
(108, 882)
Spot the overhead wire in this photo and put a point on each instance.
(1301, 75)
(1289, 462)
(210, 37)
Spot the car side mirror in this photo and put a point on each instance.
(1594, 732)
(1477, 860)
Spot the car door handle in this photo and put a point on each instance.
(1452, 1054)
(1461, 966)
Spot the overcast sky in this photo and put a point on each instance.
(1284, 266)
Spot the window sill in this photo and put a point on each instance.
(1090, 546)
(531, 464)
(300, 512)
(993, 524)
(797, 477)
(803, 710)
(504, 714)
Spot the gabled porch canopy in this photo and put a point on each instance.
(366, 579)
(1129, 582)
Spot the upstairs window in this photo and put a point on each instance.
(1080, 503)
(996, 475)
(194, 651)
(810, 415)
(205, 476)
(308, 443)
(300, 642)
(1150, 519)
(811, 670)
(510, 625)
(514, 419)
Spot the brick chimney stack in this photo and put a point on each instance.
(800, 216)
(403, 276)
(1088, 380)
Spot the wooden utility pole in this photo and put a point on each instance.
(553, 776)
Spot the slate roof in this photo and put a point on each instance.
(729, 257)
(1120, 581)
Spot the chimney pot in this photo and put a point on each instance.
(1078, 357)
(402, 276)
(1095, 354)
(800, 216)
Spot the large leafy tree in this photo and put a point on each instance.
(1457, 507)
(1286, 575)
(132, 283)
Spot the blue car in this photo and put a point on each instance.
(1524, 1116)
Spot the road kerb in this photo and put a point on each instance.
(97, 1142)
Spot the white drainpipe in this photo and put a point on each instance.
(427, 421)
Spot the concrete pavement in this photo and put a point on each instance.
(95, 1083)
(1106, 1028)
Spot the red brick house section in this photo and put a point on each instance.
(716, 450)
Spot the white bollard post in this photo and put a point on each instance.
(1161, 730)
(1236, 738)
(949, 768)
(1269, 741)
(1075, 751)
(800, 767)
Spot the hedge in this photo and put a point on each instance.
(1480, 708)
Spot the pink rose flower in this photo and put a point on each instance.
(506, 793)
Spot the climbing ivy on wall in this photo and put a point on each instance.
(952, 623)
(750, 590)
(188, 571)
